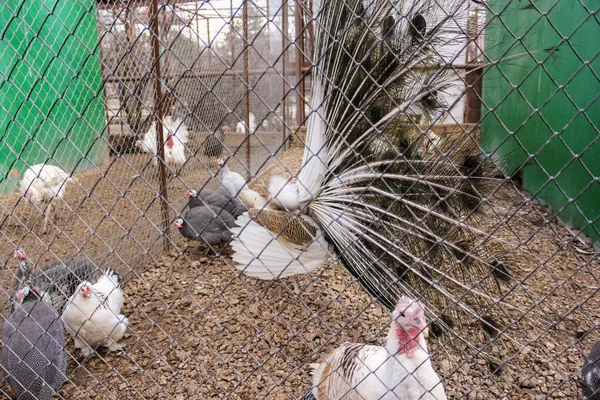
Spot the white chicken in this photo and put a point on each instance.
(231, 181)
(41, 184)
(92, 314)
(400, 370)
(175, 136)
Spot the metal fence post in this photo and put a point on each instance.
(158, 104)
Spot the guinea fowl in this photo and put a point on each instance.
(33, 351)
(397, 221)
(93, 314)
(218, 200)
(59, 279)
(400, 370)
(590, 374)
(206, 224)
(231, 181)
(215, 143)
(42, 184)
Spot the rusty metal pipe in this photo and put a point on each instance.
(160, 139)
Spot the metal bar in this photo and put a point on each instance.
(473, 79)
(159, 125)
(284, 45)
(299, 32)
(247, 81)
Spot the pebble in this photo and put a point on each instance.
(528, 383)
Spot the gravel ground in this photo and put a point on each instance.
(199, 329)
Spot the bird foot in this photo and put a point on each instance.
(114, 347)
(296, 288)
(86, 351)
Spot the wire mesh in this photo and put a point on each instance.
(442, 150)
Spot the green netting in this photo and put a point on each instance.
(50, 86)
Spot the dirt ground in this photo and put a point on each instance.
(201, 330)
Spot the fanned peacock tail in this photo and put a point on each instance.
(397, 218)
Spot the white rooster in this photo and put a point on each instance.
(41, 184)
(400, 370)
(92, 314)
(175, 136)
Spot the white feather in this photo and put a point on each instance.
(241, 126)
(233, 182)
(277, 260)
(93, 322)
(173, 155)
(43, 182)
(252, 199)
(283, 193)
(355, 371)
(314, 165)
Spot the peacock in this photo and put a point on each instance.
(396, 219)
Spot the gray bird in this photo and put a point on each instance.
(33, 356)
(590, 374)
(59, 278)
(206, 224)
(218, 200)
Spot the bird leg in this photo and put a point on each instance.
(296, 288)
(208, 251)
(47, 216)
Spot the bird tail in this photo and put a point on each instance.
(113, 276)
(397, 220)
(309, 396)
(312, 368)
(266, 255)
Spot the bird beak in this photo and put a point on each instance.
(191, 194)
(177, 225)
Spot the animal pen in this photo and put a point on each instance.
(109, 90)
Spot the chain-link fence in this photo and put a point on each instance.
(370, 150)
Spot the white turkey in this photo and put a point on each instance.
(590, 374)
(93, 314)
(401, 370)
(395, 221)
(58, 280)
(42, 184)
(230, 180)
(241, 126)
(175, 136)
(33, 352)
